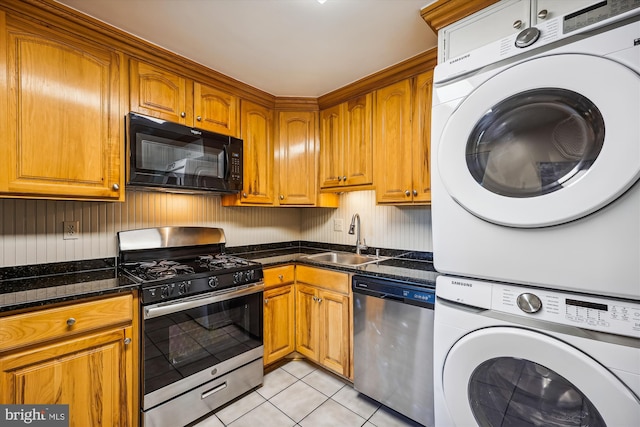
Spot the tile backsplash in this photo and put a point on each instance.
(31, 231)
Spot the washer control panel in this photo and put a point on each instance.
(600, 314)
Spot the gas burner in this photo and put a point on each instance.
(221, 261)
(163, 269)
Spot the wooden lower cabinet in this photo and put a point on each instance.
(279, 318)
(92, 372)
(323, 318)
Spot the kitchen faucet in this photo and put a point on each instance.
(355, 223)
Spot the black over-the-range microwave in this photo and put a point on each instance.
(172, 157)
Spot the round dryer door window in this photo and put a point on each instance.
(544, 142)
(515, 376)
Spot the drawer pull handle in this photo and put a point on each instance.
(71, 321)
(213, 390)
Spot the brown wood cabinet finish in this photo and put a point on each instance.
(60, 117)
(279, 313)
(346, 151)
(65, 356)
(323, 324)
(402, 141)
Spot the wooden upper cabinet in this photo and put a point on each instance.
(346, 151)
(215, 110)
(61, 119)
(258, 155)
(163, 94)
(402, 141)
(159, 93)
(296, 158)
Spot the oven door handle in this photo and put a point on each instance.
(199, 301)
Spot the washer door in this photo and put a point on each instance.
(547, 141)
(502, 376)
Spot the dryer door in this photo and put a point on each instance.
(544, 142)
(501, 376)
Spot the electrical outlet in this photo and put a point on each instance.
(338, 224)
(71, 230)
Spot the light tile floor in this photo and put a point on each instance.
(299, 394)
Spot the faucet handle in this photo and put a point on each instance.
(364, 244)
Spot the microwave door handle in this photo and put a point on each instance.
(227, 166)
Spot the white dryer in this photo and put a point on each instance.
(506, 355)
(536, 156)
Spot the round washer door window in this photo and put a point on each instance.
(501, 376)
(543, 143)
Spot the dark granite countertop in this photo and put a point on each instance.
(38, 285)
(32, 286)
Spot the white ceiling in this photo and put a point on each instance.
(285, 47)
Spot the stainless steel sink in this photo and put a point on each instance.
(344, 258)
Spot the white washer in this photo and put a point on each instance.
(574, 362)
(536, 157)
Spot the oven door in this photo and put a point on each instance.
(194, 340)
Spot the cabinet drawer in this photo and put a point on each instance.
(327, 279)
(277, 276)
(42, 325)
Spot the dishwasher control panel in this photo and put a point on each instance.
(410, 293)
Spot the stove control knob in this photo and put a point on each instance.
(183, 287)
(237, 276)
(165, 291)
(213, 281)
(250, 274)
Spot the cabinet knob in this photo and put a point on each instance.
(543, 14)
(266, 300)
(127, 341)
(280, 276)
(319, 300)
(199, 118)
(415, 193)
(244, 195)
(71, 321)
(183, 114)
(517, 24)
(344, 178)
(339, 178)
(281, 197)
(407, 193)
(115, 187)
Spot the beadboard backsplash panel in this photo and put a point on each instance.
(31, 231)
(404, 227)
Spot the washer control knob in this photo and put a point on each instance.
(527, 37)
(529, 303)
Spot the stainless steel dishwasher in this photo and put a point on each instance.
(393, 345)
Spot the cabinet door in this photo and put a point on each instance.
(491, 24)
(332, 147)
(159, 93)
(297, 158)
(88, 373)
(307, 323)
(257, 135)
(61, 132)
(392, 143)
(358, 145)
(334, 331)
(421, 191)
(279, 339)
(215, 110)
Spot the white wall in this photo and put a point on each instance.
(402, 227)
(31, 230)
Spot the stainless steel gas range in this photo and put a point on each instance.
(201, 320)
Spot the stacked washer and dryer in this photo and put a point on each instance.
(536, 225)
